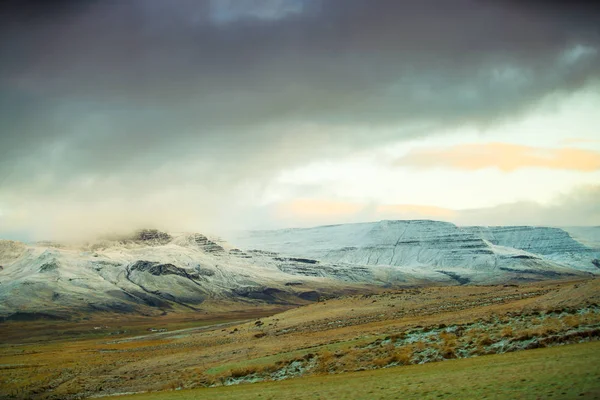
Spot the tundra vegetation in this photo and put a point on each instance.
(415, 341)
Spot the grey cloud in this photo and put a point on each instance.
(113, 91)
(228, 11)
(577, 208)
(350, 62)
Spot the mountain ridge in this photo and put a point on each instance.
(353, 242)
(156, 272)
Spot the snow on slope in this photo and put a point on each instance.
(480, 252)
(538, 240)
(155, 271)
(553, 244)
(186, 272)
(143, 277)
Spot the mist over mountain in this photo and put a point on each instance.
(153, 272)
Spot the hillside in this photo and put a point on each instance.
(179, 273)
(337, 341)
(154, 272)
(477, 254)
(565, 372)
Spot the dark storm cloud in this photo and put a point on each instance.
(162, 72)
(115, 90)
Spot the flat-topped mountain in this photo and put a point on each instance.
(155, 272)
(428, 245)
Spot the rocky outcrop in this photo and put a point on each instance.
(152, 236)
(206, 244)
(456, 277)
(239, 253)
(51, 266)
(158, 269)
(298, 260)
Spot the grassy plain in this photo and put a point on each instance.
(326, 343)
(564, 372)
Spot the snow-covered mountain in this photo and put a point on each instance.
(477, 254)
(156, 272)
(153, 272)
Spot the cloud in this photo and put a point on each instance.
(504, 156)
(314, 208)
(311, 212)
(579, 141)
(107, 83)
(406, 211)
(228, 11)
(210, 99)
(580, 207)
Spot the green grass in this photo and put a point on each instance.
(562, 372)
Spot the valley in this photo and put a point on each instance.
(389, 330)
(157, 313)
(299, 199)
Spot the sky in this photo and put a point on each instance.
(219, 115)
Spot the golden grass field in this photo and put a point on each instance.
(565, 372)
(477, 332)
